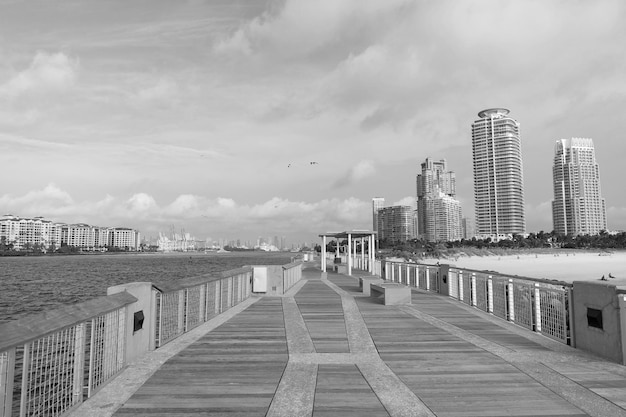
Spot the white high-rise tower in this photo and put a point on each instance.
(578, 207)
(498, 182)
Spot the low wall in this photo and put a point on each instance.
(600, 319)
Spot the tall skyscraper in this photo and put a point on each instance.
(498, 181)
(377, 204)
(438, 212)
(578, 207)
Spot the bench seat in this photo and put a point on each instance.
(393, 293)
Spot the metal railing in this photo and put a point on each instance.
(539, 305)
(187, 303)
(53, 361)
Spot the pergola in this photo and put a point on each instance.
(350, 236)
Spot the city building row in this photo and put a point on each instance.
(577, 209)
(48, 236)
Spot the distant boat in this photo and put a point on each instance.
(222, 250)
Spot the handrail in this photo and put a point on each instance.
(80, 348)
(292, 265)
(36, 326)
(540, 305)
(487, 271)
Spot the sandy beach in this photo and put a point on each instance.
(568, 267)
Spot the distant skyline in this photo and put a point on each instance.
(243, 118)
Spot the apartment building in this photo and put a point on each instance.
(396, 223)
(578, 207)
(438, 212)
(498, 179)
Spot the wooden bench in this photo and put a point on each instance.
(393, 293)
(365, 282)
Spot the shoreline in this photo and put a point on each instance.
(566, 265)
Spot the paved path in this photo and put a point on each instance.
(325, 350)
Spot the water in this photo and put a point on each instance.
(33, 284)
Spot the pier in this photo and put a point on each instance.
(324, 348)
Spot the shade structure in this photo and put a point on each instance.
(350, 236)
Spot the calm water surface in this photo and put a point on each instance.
(36, 283)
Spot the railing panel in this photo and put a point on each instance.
(467, 288)
(421, 278)
(553, 303)
(433, 278)
(453, 283)
(48, 382)
(523, 293)
(106, 348)
(192, 307)
(168, 324)
(481, 292)
(7, 371)
(500, 297)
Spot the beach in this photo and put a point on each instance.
(567, 266)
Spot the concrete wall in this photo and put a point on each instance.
(608, 341)
(141, 341)
(274, 279)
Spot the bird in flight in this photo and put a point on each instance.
(611, 275)
(603, 278)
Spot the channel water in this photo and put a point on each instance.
(31, 284)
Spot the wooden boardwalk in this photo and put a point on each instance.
(325, 350)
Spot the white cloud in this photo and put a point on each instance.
(406, 201)
(358, 172)
(141, 204)
(46, 73)
(199, 215)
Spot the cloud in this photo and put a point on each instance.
(200, 215)
(48, 72)
(360, 171)
(406, 201)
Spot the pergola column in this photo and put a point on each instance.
(349, 254)
(323, 253)
(362, 253)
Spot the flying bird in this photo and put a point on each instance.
(313, 163)
(603, 278)
(611, 275)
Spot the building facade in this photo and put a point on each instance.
(438, 212)
(578, 207)
(124, 238)
(48, 236)
(396, 223)
(498, 174)
(26, 233)
(377, 204)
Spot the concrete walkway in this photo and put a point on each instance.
(325, 350)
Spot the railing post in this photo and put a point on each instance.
(79, 363)
(427, 278)
(25, 375)
(474, 294)
(218, 296)
(572, 333)
(511, 301)
(459, 277)
(537, 309)
(7, 371)
(490, 294)
(202, 304)
(181, 312)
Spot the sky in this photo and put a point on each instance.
(244, 118)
